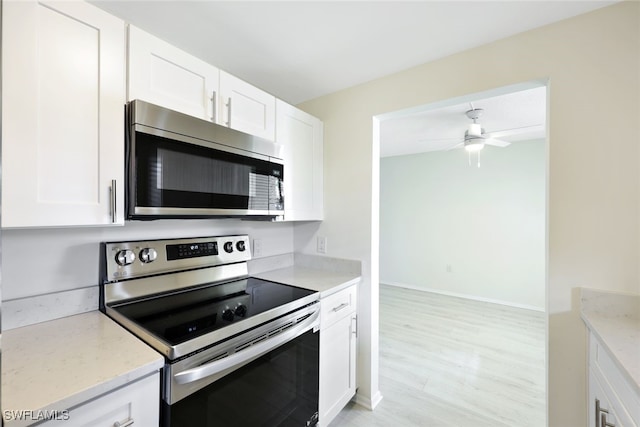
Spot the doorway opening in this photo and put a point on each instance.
(463, 247)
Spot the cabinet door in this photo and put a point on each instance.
(247, 108)
(337, 367)
(63, 118)
(138, 404)
(164, 75)
(300, 134)
(610, 387)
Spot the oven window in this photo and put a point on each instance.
(173, 174)
(279, 389)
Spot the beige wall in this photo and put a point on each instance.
(592, 63)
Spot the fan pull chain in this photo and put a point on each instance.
(469, 154)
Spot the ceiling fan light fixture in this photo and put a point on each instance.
(473, 145)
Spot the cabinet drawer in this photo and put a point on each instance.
(137, 403)
(623, 399)
(336, 306)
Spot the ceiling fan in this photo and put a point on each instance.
(475, 137)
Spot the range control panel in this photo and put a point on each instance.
(191, 250)
(127, 260)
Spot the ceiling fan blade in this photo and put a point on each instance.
(496, 142)
(454, 147)
(515, 131)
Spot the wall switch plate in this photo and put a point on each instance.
(257, 248)
(449, 268)
(322, 245)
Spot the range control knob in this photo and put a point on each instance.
(241, 246)
(148, 255)
(227, 315)
(125, 257)
(240, 310)
(228, 247)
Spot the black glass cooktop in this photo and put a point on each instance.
(177, 318)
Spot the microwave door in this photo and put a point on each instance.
(174, 178)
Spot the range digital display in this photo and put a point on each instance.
(191, 250)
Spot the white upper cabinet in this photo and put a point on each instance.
(164, 75)
(63, 115)
(301, 136)
(247, 108)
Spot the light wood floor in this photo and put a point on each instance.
(447, 361)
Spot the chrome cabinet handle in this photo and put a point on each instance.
(601, 416)
(340, 307)
(126, 423)
(213, 106)
(598, 410)
(603, 421)
(114, 200)
(354, 326)
(229, 112)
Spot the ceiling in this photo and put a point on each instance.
(299, 50)
(511, 117)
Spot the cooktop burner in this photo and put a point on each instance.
(177, 318)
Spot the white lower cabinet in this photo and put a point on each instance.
(137, 404)
(338, 333)
(612, 400)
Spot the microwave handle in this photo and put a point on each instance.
(256, 350)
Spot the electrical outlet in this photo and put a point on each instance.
(449, 270)
(322, 245)
(257, 248)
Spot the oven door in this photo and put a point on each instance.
(268, 377)
(177, 176)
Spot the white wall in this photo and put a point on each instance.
(487, 224)
(592, 63)
(42, 261)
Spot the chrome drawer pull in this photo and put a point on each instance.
(126, 423)
(340, 307)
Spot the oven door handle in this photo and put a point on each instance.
(252, 352)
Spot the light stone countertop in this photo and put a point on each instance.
(615, 320)
(62, 363)
(326, 282)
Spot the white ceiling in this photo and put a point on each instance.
(515, 116)
(299, 50)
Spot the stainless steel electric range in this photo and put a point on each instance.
(238, 350)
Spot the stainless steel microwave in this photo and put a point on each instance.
(178, 166)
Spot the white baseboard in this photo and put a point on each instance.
(466, 296)
(367, 402)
